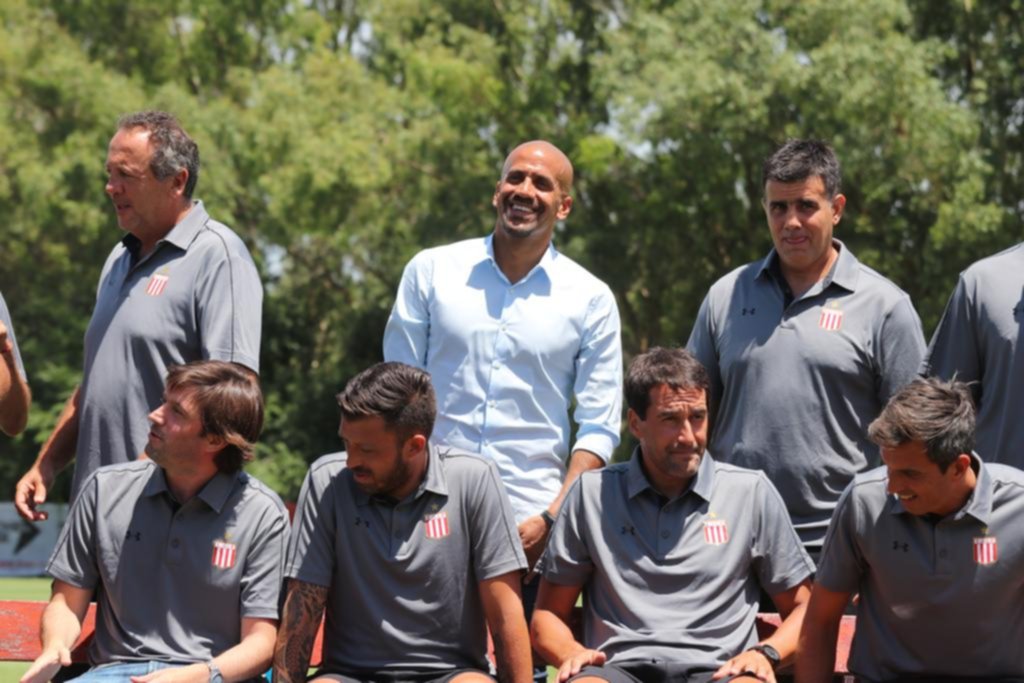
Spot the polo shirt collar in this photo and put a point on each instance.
(181, 235)
(701, 485)
(214, 493)
(543, 265)
(433, 482)
(844, 272)
(978, 505)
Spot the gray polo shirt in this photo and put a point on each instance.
(5, 316)
(978, 340)
(676, 580)
(172, 581)
(197, 296)
(404, 577)
(937, 597)
(793, 388)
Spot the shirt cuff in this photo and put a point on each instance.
(601, 445)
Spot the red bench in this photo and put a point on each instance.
(19, 633)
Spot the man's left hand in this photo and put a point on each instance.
(749, 663)
(533, 534)
(193, 673)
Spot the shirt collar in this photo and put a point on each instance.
(844, 271)
(978, 505)
(433, 482)
(543, 265)
(701, 485)
(181, 235)
(214, 493)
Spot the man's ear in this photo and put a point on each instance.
(634, 422)
(414, 445)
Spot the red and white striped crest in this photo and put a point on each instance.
(224, 554)
(831, 319)
(716, 532)
(156, 284)
(436, 525)
(986, 550)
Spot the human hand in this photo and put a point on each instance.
(533, 534)
(578, 661)
(47, 664)
(751, 663)
(30, 492)
(193, 673)
(6, 345)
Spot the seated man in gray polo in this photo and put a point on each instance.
(183, 550)
(671, 551)
(934, 545)
(410, 547)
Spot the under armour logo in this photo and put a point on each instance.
(631, 530)
(749, 311)
(362, 522)
(896, 545)
(133, 535)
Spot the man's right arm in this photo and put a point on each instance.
(407, 333)
(15, 396)
(551, 635)
(60, 628)
(56, 454)
(300, 618)
(816, 648)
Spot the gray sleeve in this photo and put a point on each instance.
(779, 557)
(567, 560)
(5, 316)
(702, 345)
(407, 333)
(261, 578)
(841, 563)
(494, 536)
(74, 558)
(311, 548)
(901, 347)
(954, 347)
(229, 307)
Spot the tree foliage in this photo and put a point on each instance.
(339, 137)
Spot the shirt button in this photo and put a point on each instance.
(495, 364)
(664, 534)
(492, 403)
(943, 553)
(175, 543)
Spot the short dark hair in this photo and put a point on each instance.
(398, 393)
(676, 368)
(230, 404)
(173, 149)
(937, 413)
(799, 160)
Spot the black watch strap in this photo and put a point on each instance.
(770, 653)
(548, 518)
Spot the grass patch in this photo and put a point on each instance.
(25, 588)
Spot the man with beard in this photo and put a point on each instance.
(411, 548)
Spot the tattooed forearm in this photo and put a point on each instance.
(303, 608)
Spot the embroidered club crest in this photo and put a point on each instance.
(986, 550)
(436, 525)
(831, 318)
(224, 554)
(156, 284)
(716, 532)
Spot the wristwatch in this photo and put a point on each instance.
(548, 518)
(215, 676)
(770, 653)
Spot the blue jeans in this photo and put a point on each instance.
(120, 671)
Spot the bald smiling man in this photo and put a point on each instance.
(512, 331)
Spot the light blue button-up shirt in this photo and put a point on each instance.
(507, 360)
